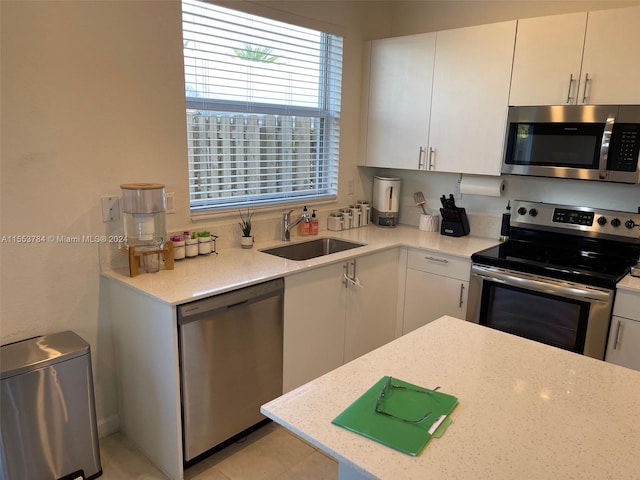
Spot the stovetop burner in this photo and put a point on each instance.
(582, 249)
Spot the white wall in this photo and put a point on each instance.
(409, 16)
(92, 97)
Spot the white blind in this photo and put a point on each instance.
(263, 108)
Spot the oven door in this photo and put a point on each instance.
(571, 316)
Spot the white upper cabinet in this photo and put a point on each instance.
(438, 101)
(399, 103)
(611, 60)
(578, 58)
(471, 81)
(547, 60)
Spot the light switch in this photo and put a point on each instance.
(350, 187)
(170, 205)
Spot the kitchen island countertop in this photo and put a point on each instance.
(526, 410)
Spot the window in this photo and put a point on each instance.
(263, 109)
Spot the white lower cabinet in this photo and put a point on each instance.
(314, 306)
(330, 320)
(371, 307)
(624, 335)
(436, 285)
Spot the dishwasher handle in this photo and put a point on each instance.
(204, 308)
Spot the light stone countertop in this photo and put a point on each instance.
(526, 410)
(232, 268)
(629, 283)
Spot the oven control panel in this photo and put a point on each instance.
(573, 217)
(583, 221)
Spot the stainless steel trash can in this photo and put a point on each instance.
(47, 410)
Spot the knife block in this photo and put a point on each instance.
(454, 222)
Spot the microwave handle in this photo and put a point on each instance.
(604, 145)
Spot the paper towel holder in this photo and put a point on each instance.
(485, 185)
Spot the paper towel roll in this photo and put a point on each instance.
(477, 185)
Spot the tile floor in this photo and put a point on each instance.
(267, 454)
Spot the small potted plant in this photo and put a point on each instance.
(246, 241)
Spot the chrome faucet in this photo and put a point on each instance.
(287, 224)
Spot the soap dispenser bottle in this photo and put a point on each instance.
(506, 221)
(305, 224)
(314, 224)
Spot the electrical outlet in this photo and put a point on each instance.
(456, 189)
(350, 187)
(170, 199)
(110, 209)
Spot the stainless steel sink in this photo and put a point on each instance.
(317, 247)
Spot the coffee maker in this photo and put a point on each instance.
(386, 201)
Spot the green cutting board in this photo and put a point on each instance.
(410, 438)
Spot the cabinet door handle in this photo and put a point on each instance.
(587, 84)
(350, 279)
(421, 165)
(616, 340)
(435, 259)
(461, 295)
(432, 152)
(345, 275)
(571, 80)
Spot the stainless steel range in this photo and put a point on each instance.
(554, 280)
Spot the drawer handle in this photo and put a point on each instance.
(441, 260)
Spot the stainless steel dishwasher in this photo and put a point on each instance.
(230, 363)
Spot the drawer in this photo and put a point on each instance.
(439, 264)
(627, 305)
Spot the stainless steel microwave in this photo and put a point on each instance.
(585, 142)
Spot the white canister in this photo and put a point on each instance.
(365, 212)
(355, 215)
(429, 223)
(178, 248)
(347, 218)
(204, 245)
(335, 221)
(191, 247)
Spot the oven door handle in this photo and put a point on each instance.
(548, 285)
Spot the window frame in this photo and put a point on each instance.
(328, 144)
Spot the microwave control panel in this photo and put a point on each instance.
(625, 147)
